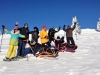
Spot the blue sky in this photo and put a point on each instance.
(49, 12)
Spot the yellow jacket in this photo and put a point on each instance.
(43, 33)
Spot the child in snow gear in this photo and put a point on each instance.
(15, 34)
(51, 33)
(69, 34)
(35, 34)
(22, 41)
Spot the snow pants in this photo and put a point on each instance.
(70, 39)
(21, 48)
(11, 51)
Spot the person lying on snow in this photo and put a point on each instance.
(37, 50)
(35, 47)
(15, 34)
(69, 34)
(51, 33)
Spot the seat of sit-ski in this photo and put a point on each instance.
(65, 47)
(50, 52)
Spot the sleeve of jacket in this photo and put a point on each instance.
(74, 27)
(58, 30)
(64, 29)
(49, 32)
(28, 34)
(37, 30)
(41, 35)
(22, 36)
(6, 30)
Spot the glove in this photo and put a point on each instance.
(59, 27)
(47, 37)
(64, 25)
(3, 27)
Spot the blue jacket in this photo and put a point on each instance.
(14, 37)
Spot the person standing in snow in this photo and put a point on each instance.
(51, 33)
(69, 34)
(44, 37)
(35, 34)
(22, 41)
(15, 34)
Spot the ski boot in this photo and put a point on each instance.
(6, 59)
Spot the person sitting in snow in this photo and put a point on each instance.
(59, 41)
(69, 34)
(35, 47)
(15, 34)
(51, 33)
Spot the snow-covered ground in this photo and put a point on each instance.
(85, 61)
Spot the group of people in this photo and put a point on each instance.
(20, 37)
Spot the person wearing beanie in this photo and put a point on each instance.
(69, 34)
(35, 34)
(15, 34)
(22, 41)
(44, 36)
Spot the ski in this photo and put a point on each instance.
(51, 58)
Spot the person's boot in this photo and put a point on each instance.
(19, 57)
(6, 59)
(13, 59)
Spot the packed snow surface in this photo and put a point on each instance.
(85, 61)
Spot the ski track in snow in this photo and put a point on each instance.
(85, 61)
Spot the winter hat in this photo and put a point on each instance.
(16, 27)
(35, 27)
(26, 24)
(68, 26)
(44, 26)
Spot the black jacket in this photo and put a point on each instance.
(34, 34)
(24, 31)
(52, 32)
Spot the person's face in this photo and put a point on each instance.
(26, 26)
(44, 28)
(15, 30)
(69, 27)
(34, 29)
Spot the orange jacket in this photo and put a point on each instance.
(43, 33)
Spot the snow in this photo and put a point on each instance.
(85, 61)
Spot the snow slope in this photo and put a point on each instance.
(85, 61)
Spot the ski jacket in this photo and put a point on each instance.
(51, 32)
(34, 34)
(14, 36)
(69, 32)
(43, 34)
(24, 31)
